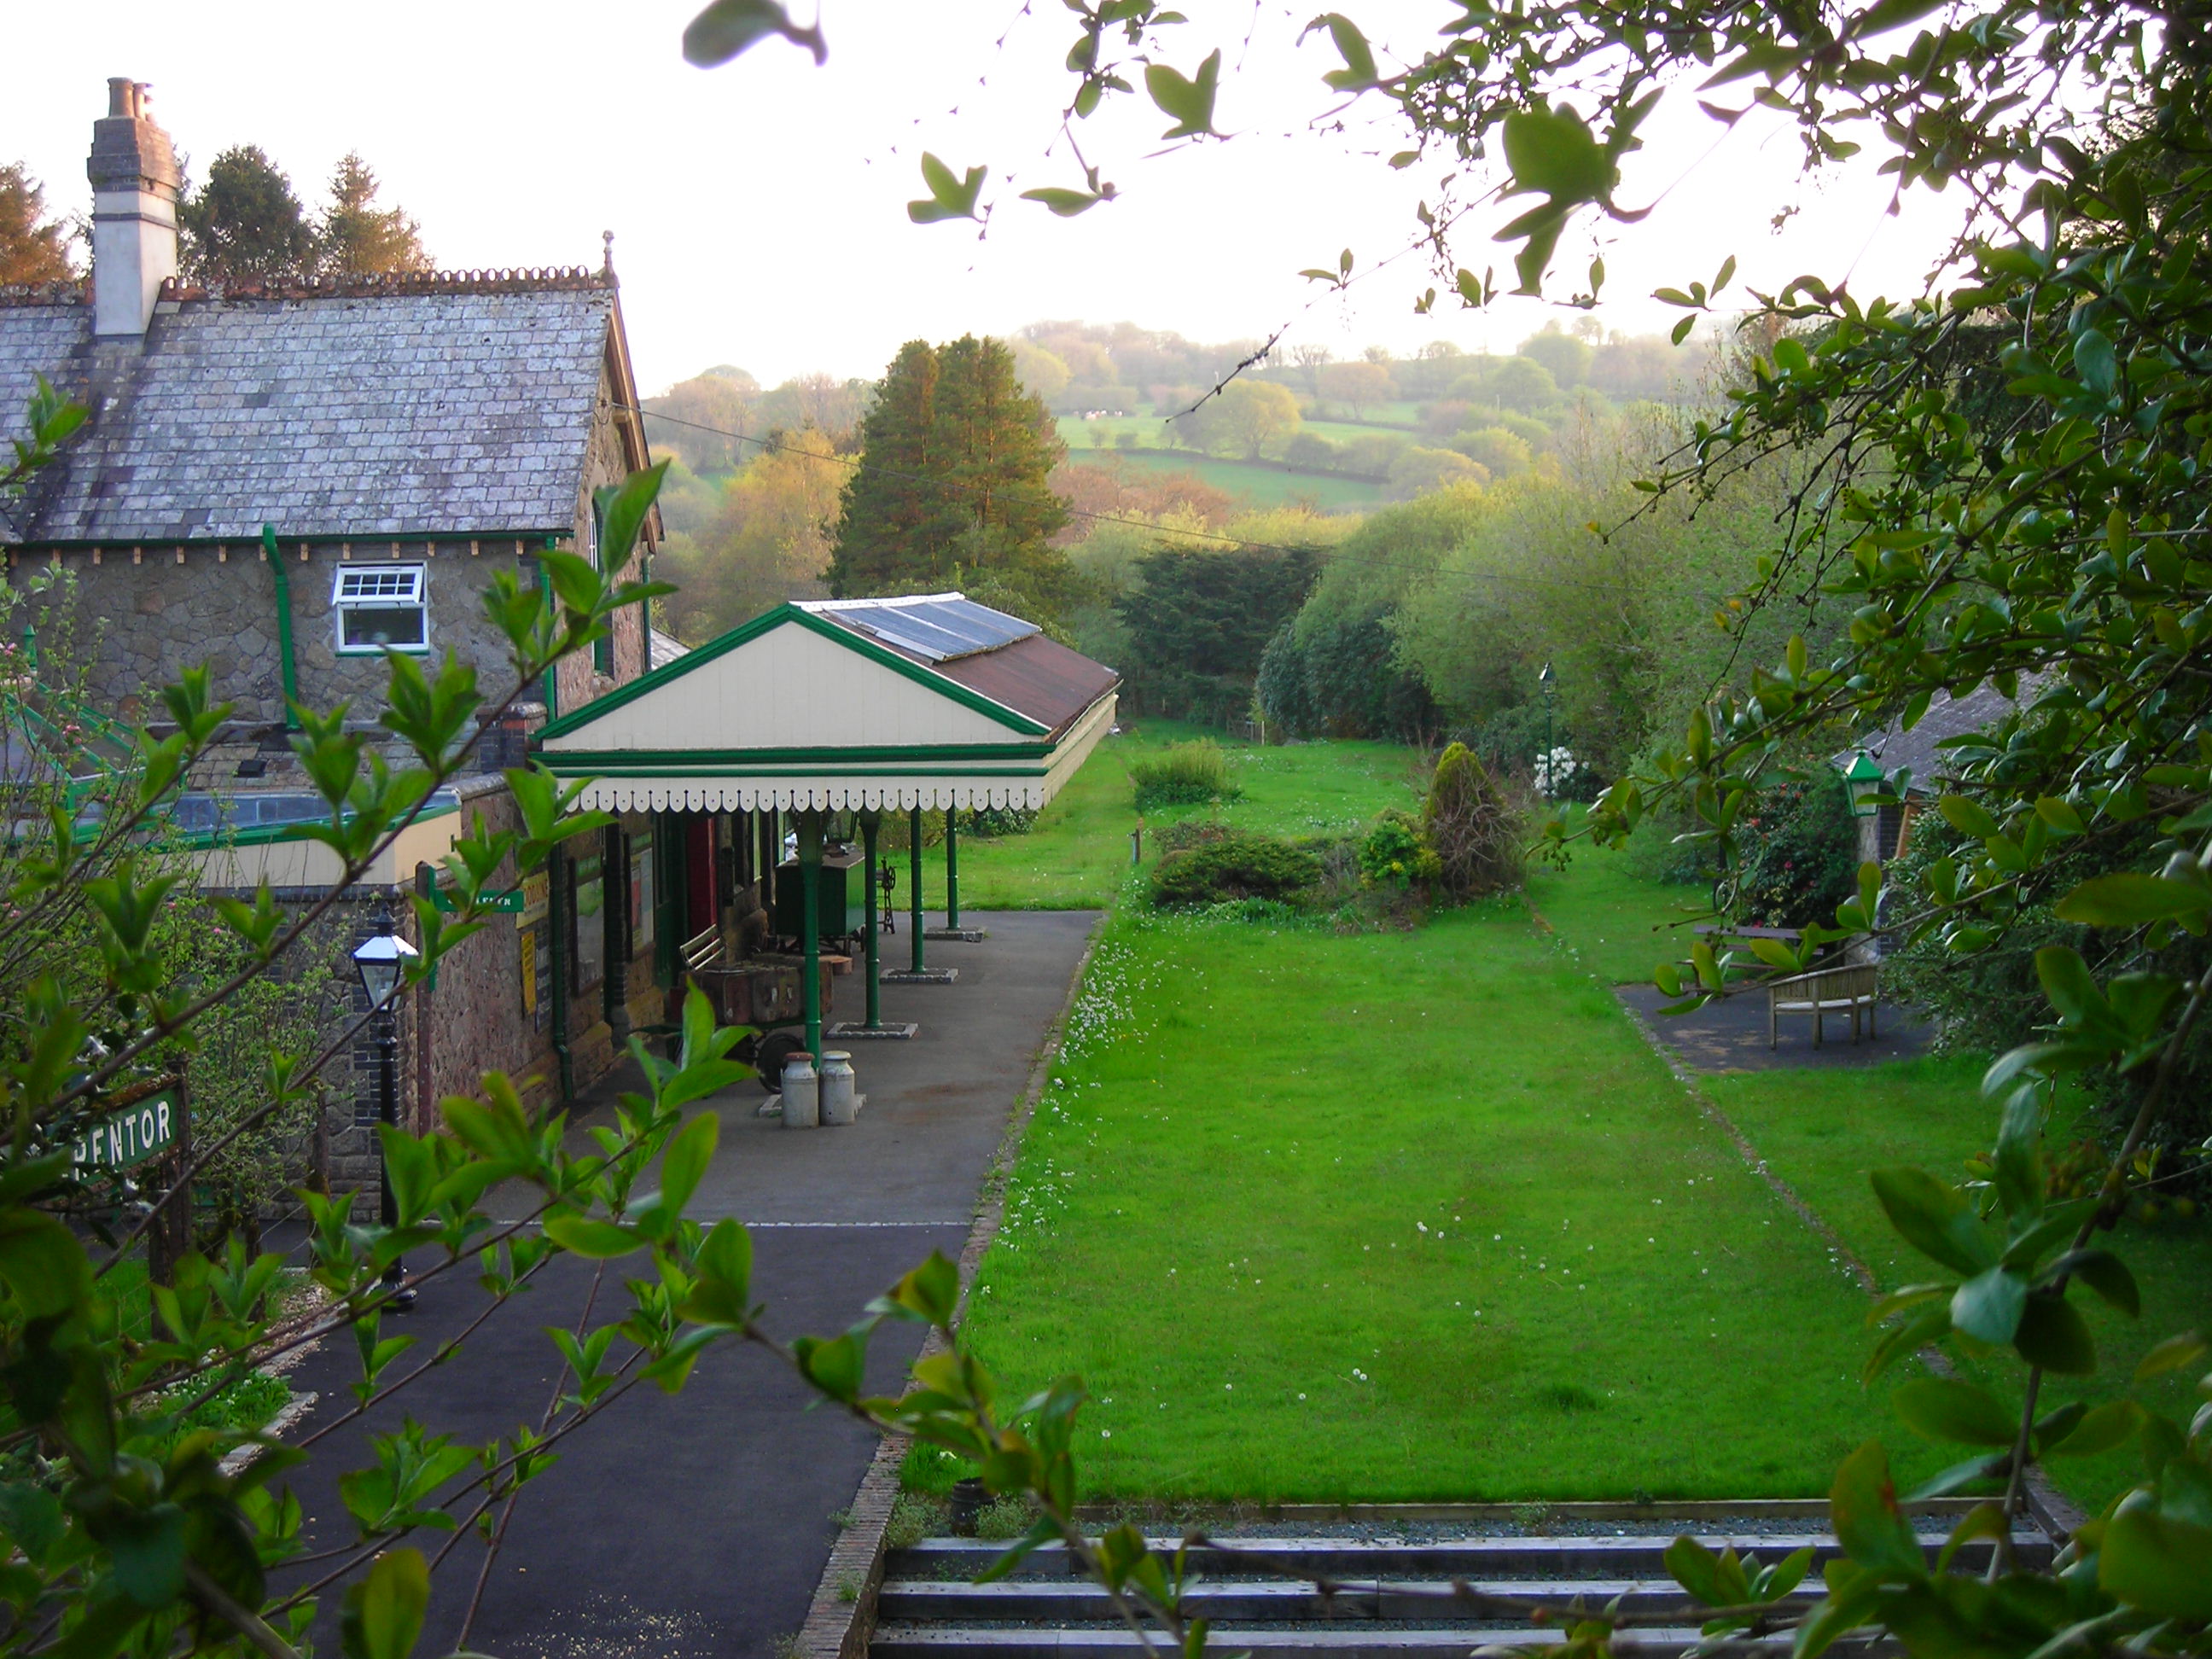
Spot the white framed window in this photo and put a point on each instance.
(381, 607)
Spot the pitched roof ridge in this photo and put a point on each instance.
(72, 291)
(530, 279)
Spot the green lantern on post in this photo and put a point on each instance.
(1862, 777)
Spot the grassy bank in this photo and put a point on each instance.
(1078, 854)
(1404, 1217)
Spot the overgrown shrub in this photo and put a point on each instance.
(1239, 867)
(1182, 775)
(1474, 830)
(1191, 832)
(990, 822)
(1394, 852)
(1799, 854)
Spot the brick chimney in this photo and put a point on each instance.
(134, 213)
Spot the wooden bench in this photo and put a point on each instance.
(1822, 992)
(701, 951)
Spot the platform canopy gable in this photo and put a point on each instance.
(927, 700)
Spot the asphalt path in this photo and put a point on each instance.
(699, 1523)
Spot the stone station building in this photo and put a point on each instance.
(282, 482)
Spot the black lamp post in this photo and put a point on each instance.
(1545, 677)
(381, 961)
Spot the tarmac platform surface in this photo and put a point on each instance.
(698, 1524)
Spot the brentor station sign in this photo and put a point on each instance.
(132, 1136)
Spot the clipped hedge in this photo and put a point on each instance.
(1244, 866)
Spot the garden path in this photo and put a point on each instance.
(699, 1523)
(1730, 1036)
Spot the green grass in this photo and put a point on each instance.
(1381, 1217)
(1078, 854)
(1619, 924)
(1262, 486)
(1825, 1132)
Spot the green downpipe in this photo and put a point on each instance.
(810, 922)
(913, 880)
(557, 918)
(551, 677)
(951, 868)
(284, 661)
(870, 821)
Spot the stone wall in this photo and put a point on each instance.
(141, 615)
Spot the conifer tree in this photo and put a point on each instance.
(32, 249)
(953, 478)
(245, 224)
(356, 237)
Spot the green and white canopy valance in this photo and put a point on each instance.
(931, 701)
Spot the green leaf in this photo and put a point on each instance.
(42, 1263)
(728, 27)
(585, 1235)
(1065, 202)
(1872, 1530)
(623, 512)
(1358, 72)
(833, 1366)
(1988, 1306)
(147, 1547)
(2105, 1274)
(931, 1293)
(949, 197)
(726, 1253)
(382, 1617)
(1944, 1408)
(2172, 1355)
(2128, 898)
(2161, 1565)
(2070, 986)
(1967, 817)
(2104, 1429)
(689, 1152)
(1934, 1218)
(1553, 151)
(2053, 1334)
(1189, 102)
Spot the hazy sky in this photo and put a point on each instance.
(758, 210)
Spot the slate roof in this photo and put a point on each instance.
(437, 405)
(1946, 717)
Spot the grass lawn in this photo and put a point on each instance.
(1618, 925)
(1078, 854)
(1262, 485)
(1403, 1216)
(1824, 1132)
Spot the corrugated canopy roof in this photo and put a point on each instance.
(445, 410)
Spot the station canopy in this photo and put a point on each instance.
(926, 701)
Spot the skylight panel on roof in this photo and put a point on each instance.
(936, 629)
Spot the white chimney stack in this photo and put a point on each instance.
(134, 213)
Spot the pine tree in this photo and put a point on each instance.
(953, 478)
(245, 224)
(31, 249)
(358, 238)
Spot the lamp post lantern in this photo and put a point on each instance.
(381, 961)
(1545, 679)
